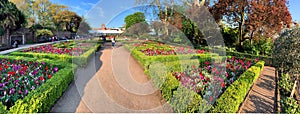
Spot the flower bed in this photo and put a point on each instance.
(201, 78)
(20, 77)
(69, 48)
(74, 55)
(181, 100)
(193, 83)
(152, 48)
(35, 86)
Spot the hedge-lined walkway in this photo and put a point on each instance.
(262, 96)
(119, 85)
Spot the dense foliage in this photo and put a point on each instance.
(286, 59)
(286, 51)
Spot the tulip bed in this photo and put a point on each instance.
(19, 77)
(69, 48)
(151, 48)
(198, 82)
(77, 52)
(31, 84)
(201, 78)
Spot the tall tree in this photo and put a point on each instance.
(267, 18)
(26, 7)
(163, 7)
(132, 19)
(234, 12)
(67, 20)
(42, 9)
(262, 16)
(136, 23)
(84, 27)
(11, 18)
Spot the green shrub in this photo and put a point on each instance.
(234, 95)
(286, 51)
(163, 80)
(43, 98)
(289, 105)
(285, 85)
(43, 32)
(187, 101)
(145, 61)
(268, 59)
(78, 60)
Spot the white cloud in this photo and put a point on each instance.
(79, 10)
(88, 4)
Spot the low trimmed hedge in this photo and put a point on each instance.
(78, 60)
(145, 61)
(235, 94)
(268, 59)
(180, 98)
(159, 69)
(43, 98)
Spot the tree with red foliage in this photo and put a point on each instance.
(263, 17)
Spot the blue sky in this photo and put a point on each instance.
(113, 12)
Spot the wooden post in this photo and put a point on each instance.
(294, 89)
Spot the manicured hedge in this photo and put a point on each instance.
(159, 69)
(78, 60)
(267, 59)
(235, 94)
(180, 98)
(43, 98)
(147, 60)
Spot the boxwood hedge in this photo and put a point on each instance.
(78, 60)
(43, 98)
(159, 69)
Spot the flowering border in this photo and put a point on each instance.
(172, 89)
(43, 98)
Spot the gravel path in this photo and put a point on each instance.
(113, 83)
(262, 96)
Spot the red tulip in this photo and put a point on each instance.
(49, 76)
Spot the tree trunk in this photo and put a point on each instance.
(240, 27)
(8, 42)
(251, 37)
(33, 35)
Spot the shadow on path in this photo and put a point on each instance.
(71, 98)
(262, 96)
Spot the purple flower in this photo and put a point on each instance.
(26, 92)
(32, 87)
(1, 84)
(11, 91)
(43, 63)
(34, 72)
(36, 64)
(55, 69)
(16, 81)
